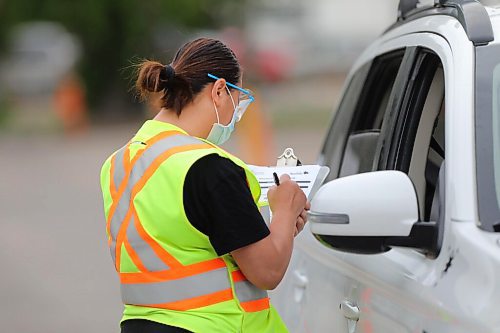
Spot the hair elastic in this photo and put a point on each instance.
(169, 72)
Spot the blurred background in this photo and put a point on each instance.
(66, 104)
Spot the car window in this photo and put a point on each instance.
(333, 145)
(418, 146)
(350, 147)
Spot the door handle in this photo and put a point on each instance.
(351, 313)
(349, 310)
(300, 279)
(300, 282)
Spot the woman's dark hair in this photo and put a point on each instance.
(181, 80)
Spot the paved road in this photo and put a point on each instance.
(57, 274)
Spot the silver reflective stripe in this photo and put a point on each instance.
(118, 174)
(246, 291)
(148, 257)
(176, 290)
(119, 171)
(138, 170)
(112, 249)
(142, 164)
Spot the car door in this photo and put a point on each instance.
(309, 296)
(402, 290)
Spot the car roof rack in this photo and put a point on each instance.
(470, 13)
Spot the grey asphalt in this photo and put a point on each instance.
(57, 274)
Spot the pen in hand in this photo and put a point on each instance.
(276, 179)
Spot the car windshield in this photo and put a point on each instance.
(487, 107)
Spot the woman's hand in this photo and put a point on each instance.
(287, 199)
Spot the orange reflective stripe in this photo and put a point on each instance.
(120, 237)
(238, 276)
(133, 255)
(112, 190)
(121, 189)
(123, 185)
(115, 194)
(172, 274)
(112, 186)
(127, 165)
(164, 256)
(176, 290)
(160, 159)
(152, 141)
(257, 305)
(197, 302)
(138, 187)
(151, 261)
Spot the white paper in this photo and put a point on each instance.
(304, 175)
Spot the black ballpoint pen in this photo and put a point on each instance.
(276, 179)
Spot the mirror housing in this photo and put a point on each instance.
(369, 213)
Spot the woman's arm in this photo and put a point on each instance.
(264, 263)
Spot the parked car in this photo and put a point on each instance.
(404, 235)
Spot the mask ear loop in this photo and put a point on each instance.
(216, 113)
(232, 100)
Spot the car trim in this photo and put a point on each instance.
(328, 218)
(471, 14)
(488, 207)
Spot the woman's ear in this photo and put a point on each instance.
(217, 91)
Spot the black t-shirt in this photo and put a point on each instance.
(218, 202)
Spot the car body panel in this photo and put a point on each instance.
(402, 290)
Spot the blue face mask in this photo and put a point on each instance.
(221, 133)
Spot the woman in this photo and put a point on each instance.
(192, 251)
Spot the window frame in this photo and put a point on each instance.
(488, 208)
(355, 97)
(426, 63)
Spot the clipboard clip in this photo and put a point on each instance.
(288, 158)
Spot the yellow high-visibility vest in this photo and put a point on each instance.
(169, 272)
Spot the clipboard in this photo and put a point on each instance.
(309, 177)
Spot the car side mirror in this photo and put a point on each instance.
(369, 213)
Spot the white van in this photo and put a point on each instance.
(404, 237)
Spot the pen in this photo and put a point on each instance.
(276, 179)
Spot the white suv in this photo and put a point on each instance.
(404, 235)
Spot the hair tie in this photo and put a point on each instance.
(169, 72)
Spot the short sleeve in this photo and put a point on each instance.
(218, 202)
